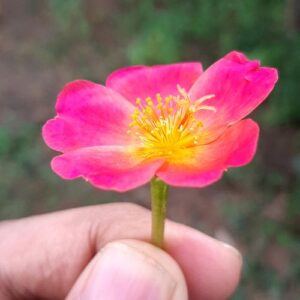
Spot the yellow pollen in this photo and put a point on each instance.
(168, 127)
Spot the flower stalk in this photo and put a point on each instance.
(159, 194)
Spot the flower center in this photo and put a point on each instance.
(168, 127)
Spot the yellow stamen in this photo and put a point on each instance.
(168, 127)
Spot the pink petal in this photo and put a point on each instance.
(189, 178)
(106, 167)
(142, 82)
(88, 114)
(236, 147)
(239, 86)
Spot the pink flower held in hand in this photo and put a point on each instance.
(175, 122)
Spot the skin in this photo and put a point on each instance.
(63, 255)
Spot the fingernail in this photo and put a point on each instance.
(124, 273)
(232, 250)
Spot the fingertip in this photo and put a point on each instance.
(212, 269)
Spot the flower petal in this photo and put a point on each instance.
(236, 147)
(239, 86)
(189, 178)
(88, 114)
(106, 167)
(142, 82)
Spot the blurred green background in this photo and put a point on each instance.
(44, 44)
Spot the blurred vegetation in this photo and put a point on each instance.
(171, 30)
(69, 21)
(44, 44)
(174, 30)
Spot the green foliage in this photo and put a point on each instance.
(69, 18)
(294, 203)
(166, 31)
(172, 30)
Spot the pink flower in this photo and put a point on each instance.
(173, 121)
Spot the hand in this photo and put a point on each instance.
(102, 253)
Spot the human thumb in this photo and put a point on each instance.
(130, 270)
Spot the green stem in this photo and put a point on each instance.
(159, 194)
